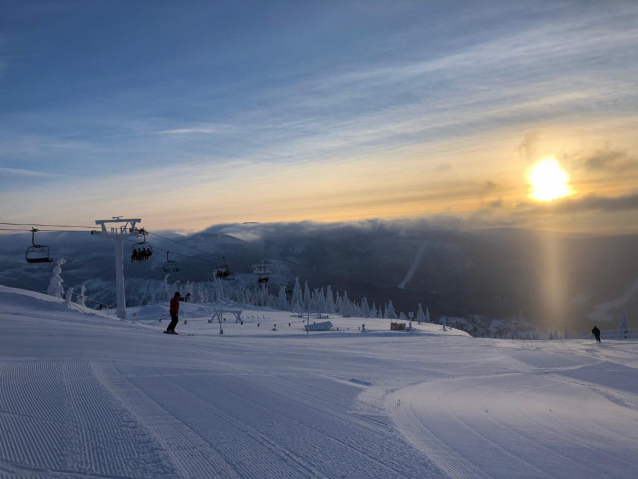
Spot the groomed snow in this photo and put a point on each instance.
(83, 394)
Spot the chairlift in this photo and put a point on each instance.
(37, 253)
(171, 266)
(263, 270)
(223, 272)
(142, 250)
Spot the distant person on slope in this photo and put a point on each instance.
(596, 333)
(174, 310)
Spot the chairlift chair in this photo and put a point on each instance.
(263, 270)
(37, 253)
(171, 266)
(142, 250)
(223, 272)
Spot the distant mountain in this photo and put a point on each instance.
(554, 281)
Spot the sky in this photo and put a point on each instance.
(189, 114)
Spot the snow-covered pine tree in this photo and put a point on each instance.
(402, 316)
(82, 296)
(297, 309)
(338, 303)
(163, 290)
(346, 307)
(330, 300)
(69, 297)
(199, 295)
(420, 315)
(306, 297)
(297, 297)
(427, 316)
(390, 313)
(282, 302)
(622, 331)
(355, 309)
(365, 308)
(55, 283)
(321, 302)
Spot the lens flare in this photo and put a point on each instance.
(549, 181)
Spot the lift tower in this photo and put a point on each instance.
(121, 229)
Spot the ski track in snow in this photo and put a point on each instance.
(413, 266)
(519, 425)
(93, 397)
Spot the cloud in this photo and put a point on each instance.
(21, 173)
(527, 148)
(607, 160)
(203, 129)
(579, 205)
(488, 187)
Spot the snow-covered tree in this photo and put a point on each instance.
(55, 283)
(282, 302)
(330, 300)
(373, 311)
(297, 309)
(365, 308)
(69, 297)
(355, 309)
(346, 307)
(420, 315)
(622, 332)
(82, 296)
(321, 302)
(402, 316)
(297, 297)
(390, 313)
(199, 293)
(338, 303)
(306, 297)
(427, 316)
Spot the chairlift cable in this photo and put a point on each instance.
(46, 231)
(200, 250)
(56, 226)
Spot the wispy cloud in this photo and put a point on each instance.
(22, 173)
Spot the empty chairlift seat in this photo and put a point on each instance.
(37, 253)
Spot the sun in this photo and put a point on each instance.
(549, 181)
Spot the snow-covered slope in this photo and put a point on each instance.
(87, 395)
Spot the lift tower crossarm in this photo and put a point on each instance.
(122, 229)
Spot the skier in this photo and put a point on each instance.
(174, 310)
(596, 333)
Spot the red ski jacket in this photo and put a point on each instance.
(175, 304)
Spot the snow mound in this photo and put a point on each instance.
(14, 299)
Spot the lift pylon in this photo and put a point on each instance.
(119, 230)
